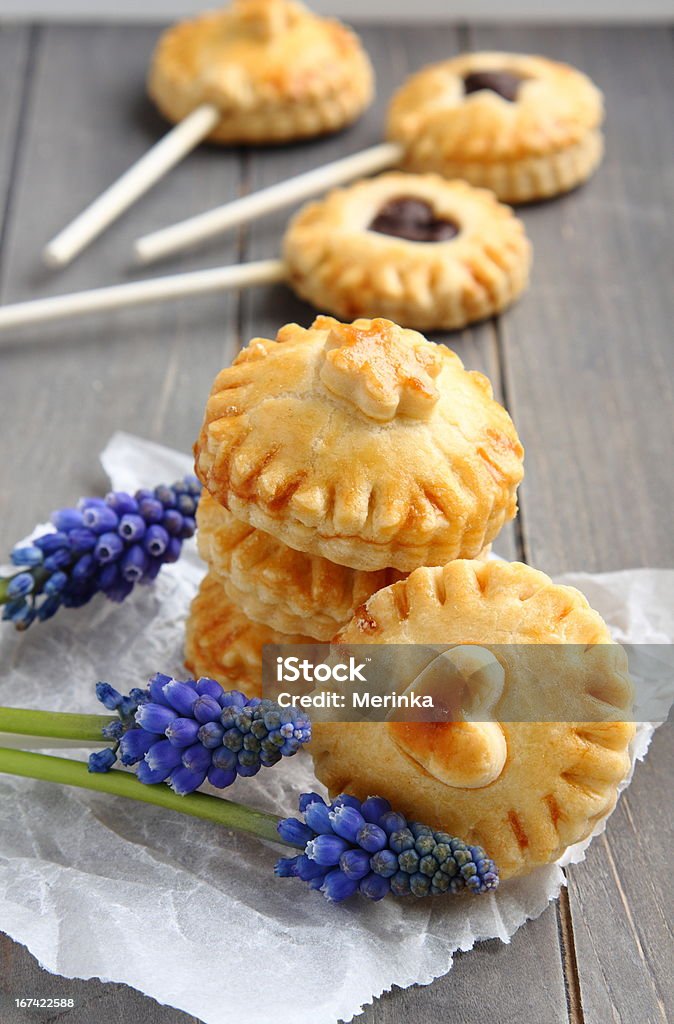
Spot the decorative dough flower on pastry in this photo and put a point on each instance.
(420, 250)
(274, 69)
(524, 789)
(274, 584)
(363, 443)
(525, 127)
(221, 643)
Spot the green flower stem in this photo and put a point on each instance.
(198, 805)
(4, 583)
(54, 724)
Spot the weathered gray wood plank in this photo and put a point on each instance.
(588, 351)
(145, 370)
(21, 976)
(493, 982)
(14, 55)
(622, 903)
(588, 365)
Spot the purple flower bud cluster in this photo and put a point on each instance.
(368, 848)
(188, 732)
(104, 545)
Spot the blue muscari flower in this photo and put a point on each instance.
(366, 847)
(101, 760)
(186, 732)
(104, 545)
(20, 585)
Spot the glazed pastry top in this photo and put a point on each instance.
(363, 442)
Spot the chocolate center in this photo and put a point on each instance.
(413, 219)
(503, 83)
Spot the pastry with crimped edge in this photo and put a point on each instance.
(269, 582)
(275, 70)
(363, 443)
(222, 644)
(525, 790)
(526, 127)
(417, 249)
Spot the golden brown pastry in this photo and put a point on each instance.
(363, 443)
(525, 790)
(274, 69)
(525, 127)
(276, 585)
(420, 250)
(221, 643)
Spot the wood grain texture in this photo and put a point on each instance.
(622, 903)
(582, 362)
(588, 359)
(588, 351)
(15, 49)
(21, 976)
(144, 370)
(493, 982)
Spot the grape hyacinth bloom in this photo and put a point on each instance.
(188, 732)
(184, 733)
(368, 848)
(104, 545)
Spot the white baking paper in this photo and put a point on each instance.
(190, 914)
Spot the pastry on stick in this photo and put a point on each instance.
(420, 250)
(258, 71)
(526, 127)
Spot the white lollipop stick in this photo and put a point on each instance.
(240, 211)
(140, 177)
(137, 293)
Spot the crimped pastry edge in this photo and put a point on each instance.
(279, 586)
(226, 437)
(526, 180)
(223, 644)
(352, 272)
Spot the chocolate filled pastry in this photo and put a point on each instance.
(417, 249)
(526, 127)
(523, 789)
(362, 443)
(275, 70)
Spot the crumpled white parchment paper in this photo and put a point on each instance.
(190, 914)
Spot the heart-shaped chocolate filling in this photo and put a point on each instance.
(503, 83)
(413, 219)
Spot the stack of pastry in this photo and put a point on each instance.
(341, 464)
(335, 460)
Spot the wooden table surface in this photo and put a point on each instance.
(584, 363)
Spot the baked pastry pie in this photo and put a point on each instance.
(525, 790)
(221, 643)
(274, 69)
(525, 127)
(363, 443)
(269, 582)
(420, 250)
